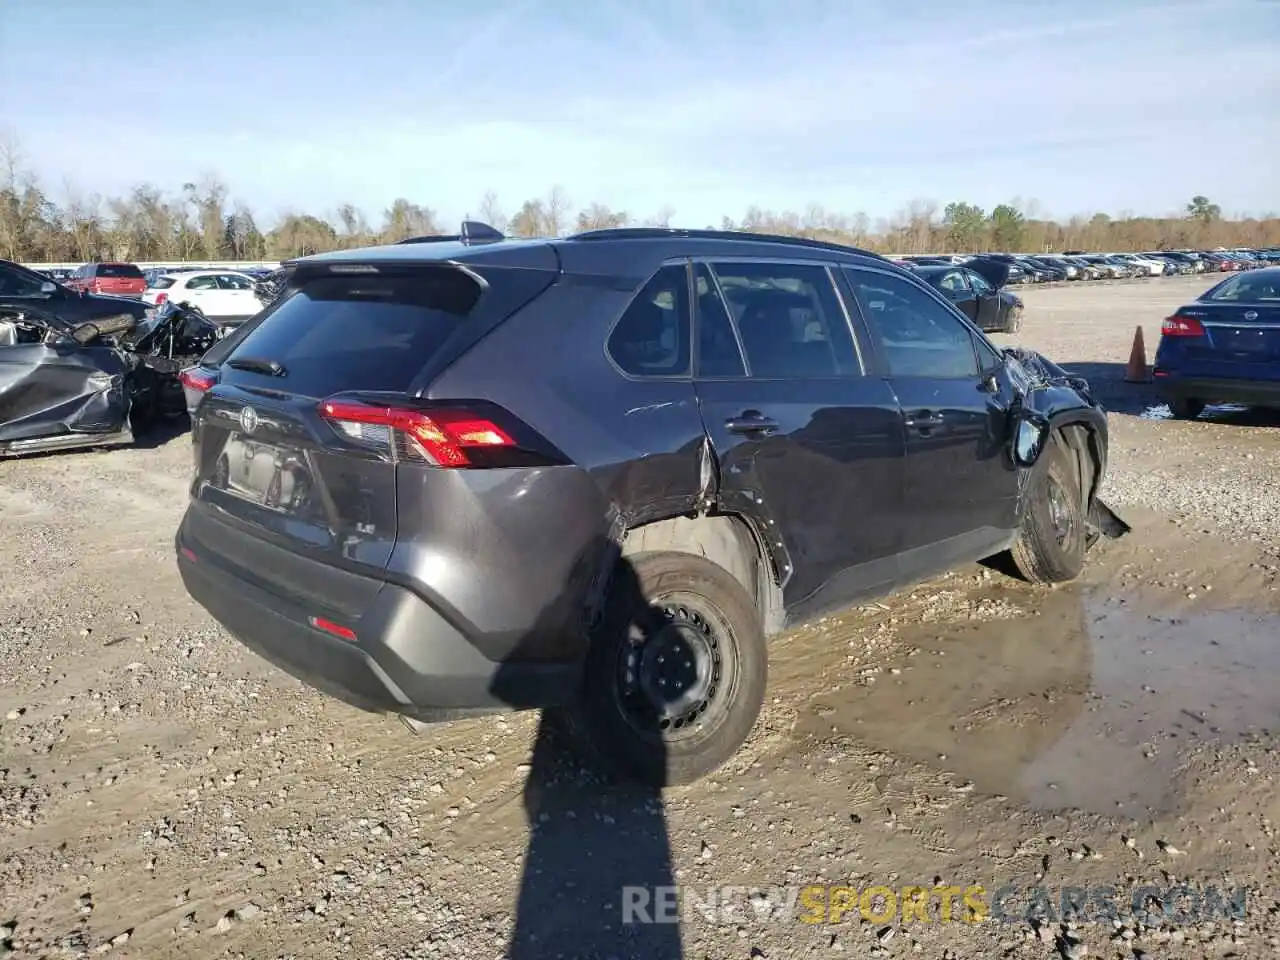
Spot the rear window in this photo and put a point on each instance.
(1249, 288)
(357, 333)
(163, 283)
(125, 271)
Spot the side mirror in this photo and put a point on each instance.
(1029, 438)
(48, 288)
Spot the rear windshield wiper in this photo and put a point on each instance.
(272, 368)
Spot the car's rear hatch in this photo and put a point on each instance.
(118, 279)
(298, 444)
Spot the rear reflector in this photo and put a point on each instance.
(1181, 326)
(193, 379)
(443, 436)
(334, 629)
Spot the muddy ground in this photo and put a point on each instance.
(165, 794)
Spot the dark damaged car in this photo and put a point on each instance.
(91, 383)
(595, 474)
(976, 289)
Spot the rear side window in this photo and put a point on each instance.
(162, 283)
(789, 320)
(651, 338)
(123, 271)
(358, 333)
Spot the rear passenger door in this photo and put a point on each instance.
(236, 295)
(808, 446)
(961, 486)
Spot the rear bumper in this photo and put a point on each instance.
(406, 657)
(1261, 392)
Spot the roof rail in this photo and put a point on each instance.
(472, 233)
(653, 233)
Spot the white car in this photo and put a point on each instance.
(221, 295)
(1153, 268)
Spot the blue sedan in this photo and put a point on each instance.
(1224, 347)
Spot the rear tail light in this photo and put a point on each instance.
(161, 297)
(1182, 326)
(451, 436)
(194, 379)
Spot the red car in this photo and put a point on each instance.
(115, 279)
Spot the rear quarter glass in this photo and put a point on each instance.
(347, 333)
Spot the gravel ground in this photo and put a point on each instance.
(163, 793)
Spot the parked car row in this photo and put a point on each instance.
(1081, 265)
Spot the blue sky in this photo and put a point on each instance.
(705, 106)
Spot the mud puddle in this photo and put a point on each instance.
(1087, 702)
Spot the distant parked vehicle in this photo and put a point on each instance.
(112, 279)
(976, 293)
(1223, 347)
(224, 296)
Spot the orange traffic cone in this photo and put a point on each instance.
(1136, 371)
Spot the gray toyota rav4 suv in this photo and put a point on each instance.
(594, 474)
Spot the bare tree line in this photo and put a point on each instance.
(201, 221)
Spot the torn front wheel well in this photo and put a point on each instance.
(1086, 444)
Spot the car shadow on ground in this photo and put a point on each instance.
(161, 432)
(1110, 387)
(598, 858)
(1143, 400)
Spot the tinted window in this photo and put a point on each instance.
(1249, 287)
(718, 352)
(651, 338)
(920, 337)
(789, 320)
(988, 356)
(202, 283)
(358, 333)
(19, 283)
(125, 271)
(953, 282)
(162, 283)
(229, 281)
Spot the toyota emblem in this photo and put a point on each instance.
(248, 419)
(1251, 315)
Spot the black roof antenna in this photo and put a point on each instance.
(474, 231)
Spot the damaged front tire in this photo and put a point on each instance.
(1054, 537)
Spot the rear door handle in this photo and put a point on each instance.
(751, 421)
(925, 420)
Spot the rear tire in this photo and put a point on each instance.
(681, 623)
(1186, 408)
(1052, 543)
